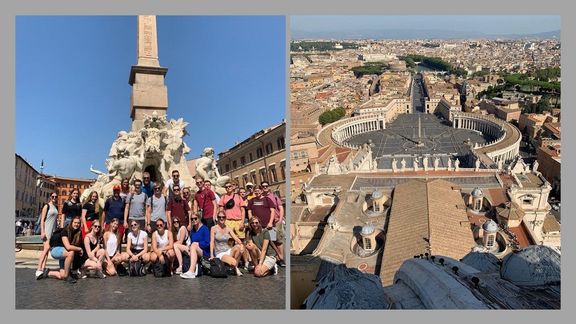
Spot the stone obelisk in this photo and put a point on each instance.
(149, 93)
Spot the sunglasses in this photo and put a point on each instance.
(146, 178)
(221, 217)
(53, 196)
(264, 186)
(194, 218)
(228, 187)
(96, 226)
(157, 188)
(176, 189)
(134, 225)
(159, 225)
(176, 221)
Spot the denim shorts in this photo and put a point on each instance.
(57, 253)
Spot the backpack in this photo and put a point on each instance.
(137, 269)
(162, 270)
(218, 269)
(56, 237)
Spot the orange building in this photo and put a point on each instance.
(65, 185)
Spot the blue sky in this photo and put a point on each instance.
(226, 77)
(481, 24)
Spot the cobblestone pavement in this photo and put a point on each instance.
(246, 292)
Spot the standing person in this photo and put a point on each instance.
(162, 244)
(137, 244)
(187, 196)
(234, 208)
(205, 204)
(277, 231)
(65, 247)
(90, 212)
(155, 208)
(220, 248)
(199, 245)
(71, 208)
(136, 205)
(147, 185)
(208, 185)
(182, 242)
(125, 188)
(111, 244)
(47, 227)
(178, 208)
(114, 209)
(250, 190)
(168, 190)
(93, 254)
(262, 208)
(258, 241)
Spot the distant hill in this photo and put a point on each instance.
(415, 34)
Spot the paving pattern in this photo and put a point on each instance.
(402, 136)
(246, 292)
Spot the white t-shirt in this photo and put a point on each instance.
(138, 242)
(170, 184)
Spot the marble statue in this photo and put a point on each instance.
(457, 165)
(425, 163)
(403, 164)
(436, 163)
(206, 167)
(394, 165)
(477, 165)
(158, 147)
(415, 164)
(535, 166)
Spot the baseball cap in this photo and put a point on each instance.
(249, 184)
(116, 187)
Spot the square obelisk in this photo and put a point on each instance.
(149, 93)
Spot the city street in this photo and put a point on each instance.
(246, 292)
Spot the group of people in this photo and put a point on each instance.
(244, 228)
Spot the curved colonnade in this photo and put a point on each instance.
(507, 144)
(350, 127)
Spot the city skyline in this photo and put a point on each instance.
(426, 27)
(81, 75)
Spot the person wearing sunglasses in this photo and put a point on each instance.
(162, 244)
(156, 207)
(178, 208)
(175, 180)
(147, 185)
(93, 255)
(220, 247)
(137, 244)
(199, 245)
(258, 241)
(205, 203)
(182, 242)
(48, 225)
(234, 207)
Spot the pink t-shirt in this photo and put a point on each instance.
(234, 213)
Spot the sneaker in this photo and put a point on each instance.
(73, 275)
(188, 275)
(100, 275)
(39, 274)
(251, 267)
(281, 263)
(178, 270)
(43, 274)
(70, 280)
(275, 269)
(238, 272)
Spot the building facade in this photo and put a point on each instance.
(63, 187)
(27, 191)
(261, 157)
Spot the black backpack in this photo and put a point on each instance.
(136, 269)
(218, 269)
